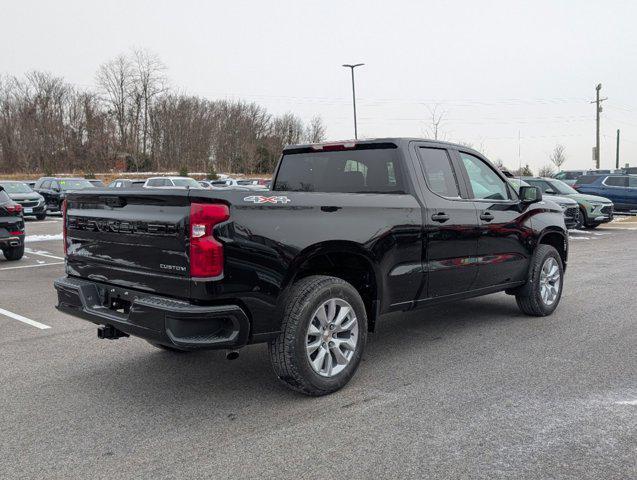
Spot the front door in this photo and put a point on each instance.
(502, 248)
(450, 242)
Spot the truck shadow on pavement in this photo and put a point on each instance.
(206, 377)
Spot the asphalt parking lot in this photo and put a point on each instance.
(472, 389)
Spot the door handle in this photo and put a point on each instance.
(441, 217)
(486, 216)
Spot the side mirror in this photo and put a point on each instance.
(530, 194)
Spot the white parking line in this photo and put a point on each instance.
(22, 319)
(627, 402)
(31, 266)
(42, 253)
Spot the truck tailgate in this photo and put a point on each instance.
(133, 239)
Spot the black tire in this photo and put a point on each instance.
(288, 352)
(592, 226)
(529, 297)
(41, 216)
(13, 253)
(580, 220)
(168, 348)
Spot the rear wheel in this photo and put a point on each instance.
(324, 331)
(543, 290)
(13, 253)
(41, 216)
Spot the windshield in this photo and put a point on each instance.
(560, 187)
(186, 182)
(75, 184)
(16, 187)
(372, 170)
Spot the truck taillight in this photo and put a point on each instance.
(66, 248)
(206, 253)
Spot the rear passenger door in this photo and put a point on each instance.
(451, 223)
(501, 254)
(616, 188)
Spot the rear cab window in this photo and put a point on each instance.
(438, 171)
(367, 168)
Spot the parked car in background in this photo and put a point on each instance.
(172, 182)
(32, 202)
(594, 210)
(126, 183)
(28, 183)
(621, 189)
(11, 227)
(54, 189)
(572, 215)
(96, 183)
(569, 176)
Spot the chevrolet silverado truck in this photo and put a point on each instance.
(348, 233)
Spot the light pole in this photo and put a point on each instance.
(352, 67)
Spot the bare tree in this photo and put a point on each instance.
(437, 116)
(149, 81)
(558, 157)
(116, 80)
(546, 171)
(315, 131)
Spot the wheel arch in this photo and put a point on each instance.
(558, 239)
(342, 259)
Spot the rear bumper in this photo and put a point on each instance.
(154, 318)
(11, 241)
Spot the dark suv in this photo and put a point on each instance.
(11, 227)
(621, 189)
(54, 189)
(32, 202)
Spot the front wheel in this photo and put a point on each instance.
(13, 253)
(323, 336)
(543, 290)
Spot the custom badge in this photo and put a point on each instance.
(260, 199)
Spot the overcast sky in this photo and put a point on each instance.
(498, 69)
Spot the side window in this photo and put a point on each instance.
(485, 183)
(4, 197)
(616, 181)
(46, 185)
(154, 182)
(541, 184)
(439, 174)
(54, 185)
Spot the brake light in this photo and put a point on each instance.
(334, 147)
(206, 253)
(64, 206)
(17, 232)
(14, 208)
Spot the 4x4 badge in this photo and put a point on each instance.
(262, 199)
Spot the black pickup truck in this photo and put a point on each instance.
(349, 232)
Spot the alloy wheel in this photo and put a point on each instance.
(332, 337)
(550, 281)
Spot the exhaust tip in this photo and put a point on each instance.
(232, 355)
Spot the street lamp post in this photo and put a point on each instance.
(352, 67)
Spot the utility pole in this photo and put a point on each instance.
(352, 67)
(598, 110)
(617, 152)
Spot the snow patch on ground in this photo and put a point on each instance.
(43, 238)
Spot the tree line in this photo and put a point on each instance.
(132, 120)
